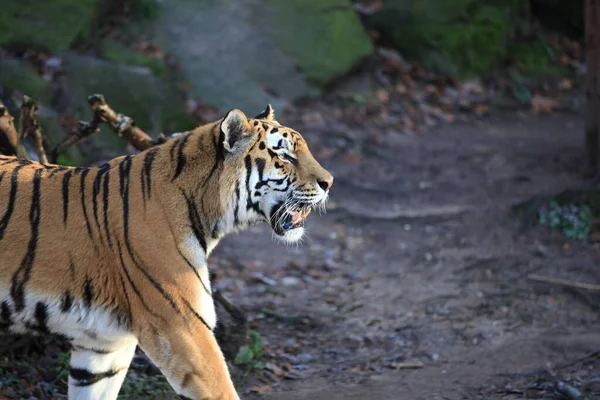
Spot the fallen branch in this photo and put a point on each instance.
(9, 144)
(121, 124)
(29, 127)
(568, 391)
(563, 282)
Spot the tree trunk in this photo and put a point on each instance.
(592, 50)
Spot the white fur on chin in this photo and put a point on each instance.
(293, 235)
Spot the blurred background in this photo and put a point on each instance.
(458, 258)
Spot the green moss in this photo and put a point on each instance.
(48, 25)
(457, 37)
(121, 54)
(18, 75)
(323, 37)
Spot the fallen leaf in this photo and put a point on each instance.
(406, 365)
(260, 389)
(542, 105)
(565, 84)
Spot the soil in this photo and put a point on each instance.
(415, 285)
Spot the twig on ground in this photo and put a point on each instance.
(29, 127)
(568, 391)
(563, 282)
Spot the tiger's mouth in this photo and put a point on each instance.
(285, 218)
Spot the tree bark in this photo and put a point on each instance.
(592, 52)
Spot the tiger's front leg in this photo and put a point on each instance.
(97, 372)
(188, 355)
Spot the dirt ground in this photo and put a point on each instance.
(414, 284)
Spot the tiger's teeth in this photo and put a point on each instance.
(296, 216)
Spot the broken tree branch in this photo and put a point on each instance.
(563, 282)
(121, 124)
(10, 145)
(29, 127)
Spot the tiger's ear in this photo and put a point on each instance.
(268, 114)
(235, 128)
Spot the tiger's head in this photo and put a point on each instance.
(282, 180)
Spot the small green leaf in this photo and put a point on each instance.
(244, 356)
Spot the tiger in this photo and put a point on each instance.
(115, 256)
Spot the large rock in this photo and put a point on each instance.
(50, 25)
(457, 37)
(248, 53)
(133, 91)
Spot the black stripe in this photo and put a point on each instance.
(133, 286)
(219, 154)
(181, 156)
(198, 316)
(124, 175)
(84, 206)
(249, 204)
(72, 267)
(95, 191)
(195, 272)
(65, 195)
(88, 293)
(57, 170)
(5, 315)
(66, 302)
(248, 163)
(12, 161)
(41, 317)
(87, 378)
(260, 166)
(130, 315)
(236, 219)
(105, 201)
(2, 175)
(11, 201)
(147, 172)
(195, 221)
(22, 275)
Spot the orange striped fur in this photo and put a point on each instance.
(115, 256)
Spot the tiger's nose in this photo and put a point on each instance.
(325, 183)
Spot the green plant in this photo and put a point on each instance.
(574, 221)
(142, 386)
(250, 356)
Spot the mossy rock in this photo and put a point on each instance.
(134, 91)
(324, 38)
(48, 25)
(455, 37)
(119, 53)
(19, 75)
(247, 54)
